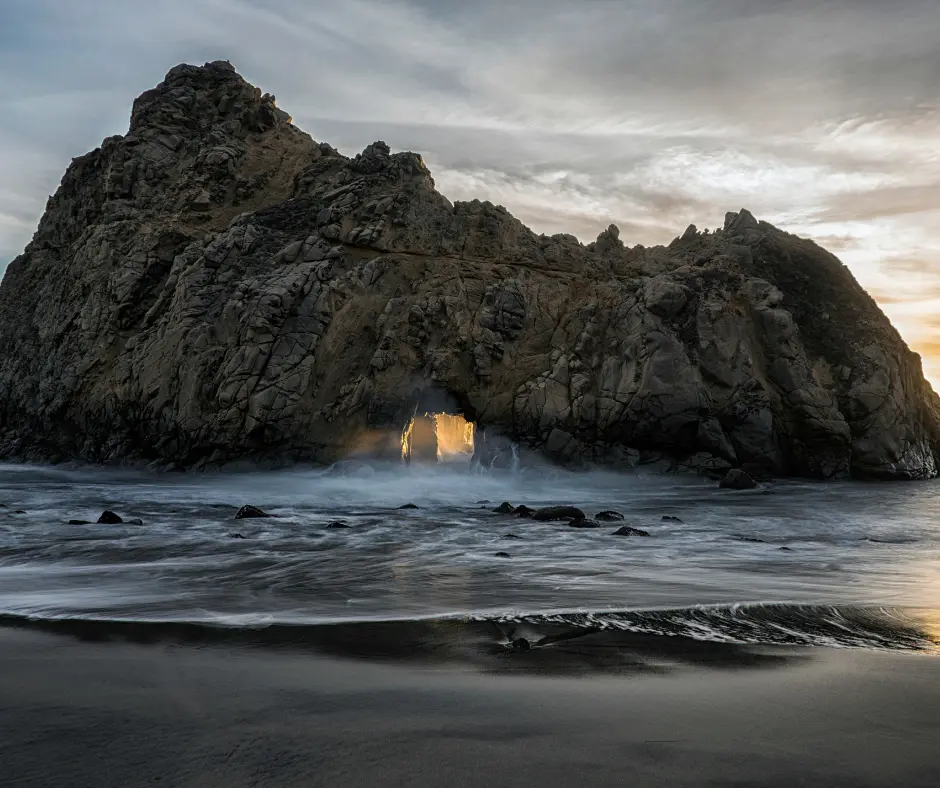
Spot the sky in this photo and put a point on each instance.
(820, 116)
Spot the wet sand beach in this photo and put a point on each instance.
(453, 705)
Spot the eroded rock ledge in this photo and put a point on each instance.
(215, 285)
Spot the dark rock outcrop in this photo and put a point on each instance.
(737, 479)
(216, 286)
(250, 512)
(627, 530)
(110, 518)
(608, 516)
(583, 522)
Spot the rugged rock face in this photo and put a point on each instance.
(215, 285)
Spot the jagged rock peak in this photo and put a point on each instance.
(738, 222)
(206, 95)
(216, 286)
(608, 242)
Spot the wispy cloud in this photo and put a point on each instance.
(821, 115)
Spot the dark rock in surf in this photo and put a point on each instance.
(484, 502)
(583, 522)
(79, 522)
(524, 512)
(135, 521)
(505, 508)
(109, 518)
(736, 479)
(502, 555)
(520, 644)
(250, 513)
(337, 524)
(627, 530)
(511, 536)
(608, 516)
(408, 506)
(554, 513)
(667, 518)
(753, 539)
(235, 536)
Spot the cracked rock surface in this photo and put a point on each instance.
(216, 286)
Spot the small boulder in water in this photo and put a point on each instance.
(736, 479)
(627, 530)
(553, 513)
(583, 522)
(750, 539)
(511, 536)
(608, 517)
(109, 518)
(520, 644)
(235, 536)
(250, 513)
(135, 521)
(502, 555)
(409, 506)
(336, 524)
(505, 508)
(79, 522)
(668, 518)
(524, 511)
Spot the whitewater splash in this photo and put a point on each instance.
(835, 548)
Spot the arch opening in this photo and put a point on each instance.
(438, 438)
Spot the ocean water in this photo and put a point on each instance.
(845, 564)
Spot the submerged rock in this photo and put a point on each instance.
(251, 512)
(135, 521)
(409, 506)
(235, 536)
(737, 479)
(502, 555)
(109, 518)
(79, 522)
(627, 530)
(608, 516)
(351, 469)
(337, 524)
(216, 262)
(584, 523)
(511, 536)
(552, 513)
(668, 518)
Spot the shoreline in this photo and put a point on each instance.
(348, 711)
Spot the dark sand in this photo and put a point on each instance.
(367, 707)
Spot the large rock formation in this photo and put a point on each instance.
(215, 285)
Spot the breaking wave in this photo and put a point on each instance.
(777, 624)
